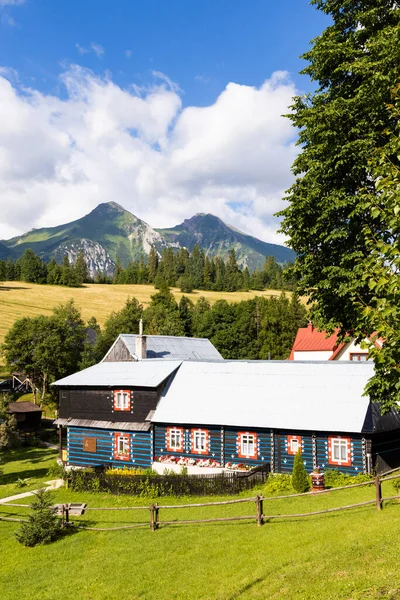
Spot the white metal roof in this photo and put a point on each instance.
(316, 396)
(173, 347)
(148, 373)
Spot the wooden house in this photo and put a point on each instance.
(27, 415)
(248, 413)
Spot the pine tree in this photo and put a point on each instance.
(300, 479)
(81, 269)
(43, 526)
(152, 264)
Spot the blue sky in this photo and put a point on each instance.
(182, 53)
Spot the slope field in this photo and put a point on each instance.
(19, 299)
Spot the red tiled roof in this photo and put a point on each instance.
(310, 339)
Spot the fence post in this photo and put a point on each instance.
(152, 517)
(259, 510)
(156, 509)
(378, 496)
(62, 515)
(66, 514)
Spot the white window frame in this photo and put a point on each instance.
(122, 400)
(123, 449)
(358, 356)
(340, 445)
(200, 441)
(247, 441)
(175, 435)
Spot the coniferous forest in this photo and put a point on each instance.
(182, 269)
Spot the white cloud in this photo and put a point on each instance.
(95, 48)
(128, 53)
(59, 158)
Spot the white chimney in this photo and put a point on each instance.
(141, 343)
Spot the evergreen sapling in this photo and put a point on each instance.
(300, 479)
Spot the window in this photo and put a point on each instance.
(247, 445)
(200, 441)
(293, 444)
(360, 356)
(63, 395)
(122, 400)
(175, 439)
(339, 451)
(121, 446)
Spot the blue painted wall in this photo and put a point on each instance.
(283, 460)
(140, 448)
(160, 443)
(231, 449)
(357, 465)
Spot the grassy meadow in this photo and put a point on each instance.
(351, 555)
(19, 299)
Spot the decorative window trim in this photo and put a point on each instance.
(195, 434)
(172, 431)
(331, 443)
(356, 356)
(118, 454)
(290, 440)
(117, 405)
(242, 439)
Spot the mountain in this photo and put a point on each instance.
(110, 232)
(218, 238)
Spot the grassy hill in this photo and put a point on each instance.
(19, 299)
(350, 555)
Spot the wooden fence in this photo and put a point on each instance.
(257, 515)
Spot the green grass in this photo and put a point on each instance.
(19, 299)
(30, 464)
(348, 555)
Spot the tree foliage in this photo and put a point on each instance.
(330, 220)
(300, 479)
(43, 526)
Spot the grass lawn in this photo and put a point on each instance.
(19, 299)
(29, 464)
(350, 555)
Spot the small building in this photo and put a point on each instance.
(312, 344)
(27, 414)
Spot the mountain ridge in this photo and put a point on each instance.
(110, 233)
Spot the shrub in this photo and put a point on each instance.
(43, 526)
(9, 437)
(335, 478)
(278, 483)
(57, 471)
(300, 479)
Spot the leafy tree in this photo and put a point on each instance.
(46, 348)
(9, 437)
(356, 62)
(185, 284)
(123, 321)
(300, 479)
(81, 268)
(43, 526)
(53, 273)
(32, 268)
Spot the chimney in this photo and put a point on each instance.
(310, 327)
(141, 343)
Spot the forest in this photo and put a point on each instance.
(182, 269)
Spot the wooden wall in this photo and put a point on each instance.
(214, 453)
(118, 353)
(140, 448)
(98, 404)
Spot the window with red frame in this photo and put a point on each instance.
(174, 439)
(122, 400)
(121, 446)
(247, 445)
(339, 451)
(294, 444)
(200, 441)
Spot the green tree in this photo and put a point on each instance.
(81, 268)
(43, 526)
(152, 264)
(123, 321)
(32, 268)
(186, 315)
(46, 348)
(300, 479)
(356, 62)
(9, 437)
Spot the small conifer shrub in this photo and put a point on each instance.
(42, 526)
(300, 479)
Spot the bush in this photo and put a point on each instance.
(300, 479)
(335, 478)
(9, 437)
(57, 471)
(278, 483)
(43, 526)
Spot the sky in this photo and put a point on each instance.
(169, 108)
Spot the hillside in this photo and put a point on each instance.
(110, 232)
(218, 238)
(28, 299)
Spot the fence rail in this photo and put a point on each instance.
(259, 516)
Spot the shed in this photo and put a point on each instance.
(27, 414)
